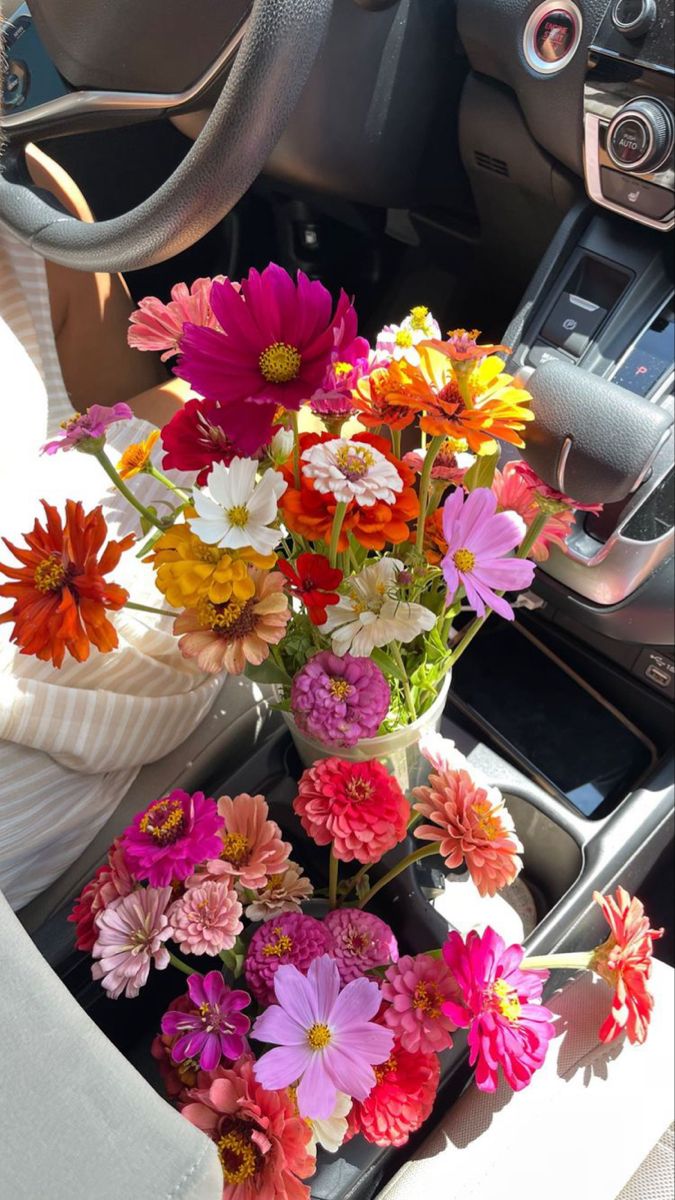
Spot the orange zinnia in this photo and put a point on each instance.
(387, 397)
(60, 595)
(625, 961)
(136, 457)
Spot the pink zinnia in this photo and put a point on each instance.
(339, 699)
(214, 1027)
(361, 941)
(478, 539)
(501, 1005)
(450, 464)
(194, 439)
(158, 326)
(358, 806)
(401, 1100)
(289, 939)
(262, 1143)
(472, 825)
(131, 935)
(347, 365)
(515, 495)
(250, 848)
(165, 843)
(324, 1037)
(111, 881)
(176, 1077)
(206, 919)
(277, 341)
(416, 990)
(87, 430)
(546, 493)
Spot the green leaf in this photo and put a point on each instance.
(267, 672)
(481, 474)
(387, 664)
(147, 525)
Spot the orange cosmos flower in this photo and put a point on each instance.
(387, 397)
(625, 962)
(137, 456)
(60, 594)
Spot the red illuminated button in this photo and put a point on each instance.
(555, 36)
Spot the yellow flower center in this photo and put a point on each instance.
(207, 554)
(404, 338)
(452, 446)
(354, 461)
(339, 688)
(419, 316)
(342, 368)
(280, 363)
(359, 789)
(318, 1037)
(237, 1157)
(486, 820)
(283, 944)
(427, 999)
(274, 881)
(235, 848)
(464, 560)
(223, 616)
(385, 1068)
(49, 575)
(164, 821)
(237, 516)
(506, 998)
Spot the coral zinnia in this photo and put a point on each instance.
(261, 1141)
(625, 962)
(361, 941)
(171, 836)
(60, 593)
(110, 881)
(508, 1025)
(158, 326)
(471, 824)
(479, 540)
(194, 439)
(416, 990)
(290, 939)
(401, 1100)
(514, 494)
(132, 931)
(225, 637)
(339, 700)
(206, 919)
(313, 583)
(137, 457)
(358, 806)
(214, 1026)
(251, 849)
(277, 341)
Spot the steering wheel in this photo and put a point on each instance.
(281, 39)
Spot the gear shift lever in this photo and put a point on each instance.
(592, 440)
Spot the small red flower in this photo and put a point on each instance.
(195, 439)
(625, 962)
(400, 1101)
(313, 583)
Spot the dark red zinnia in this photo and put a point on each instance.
(195, 439)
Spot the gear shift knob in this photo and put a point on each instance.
(591, 439)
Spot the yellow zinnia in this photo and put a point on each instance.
(137, 457)
(187, 570)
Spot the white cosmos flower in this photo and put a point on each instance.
(330, 1133)
(400, 341)
(234, 511)
(352, 471)
(371, 614)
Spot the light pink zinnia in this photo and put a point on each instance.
(515, 495)
(471, 823)
(450, 464)
(361, 941)
(547, 493)
(252, 849)
(416, 990)
(282, 893)
(158, 326)
(131, 936)
(478, 539)
(206, 919)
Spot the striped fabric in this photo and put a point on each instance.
(72, 741)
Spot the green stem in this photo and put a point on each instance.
(121, 486)
(406, 862)
(296, 449)
(396, 442)
(410, 703)
(180, 965)
(532, 535)
(162, 478)
(162, 612)
(429, 459)
(355, 880)
(333, 873)
(149, 542)
(338, 518)
(559, 962)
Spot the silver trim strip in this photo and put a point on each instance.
(593, 184)
(632, 62)
(99, 101)
(535, 19)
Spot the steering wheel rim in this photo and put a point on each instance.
(272, 65)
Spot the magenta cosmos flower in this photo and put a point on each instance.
(167, 841)
(131, 936)
(214, 1027)
(501, 1005)
(479, 539)
(87, 430)
(325, 1038)
(157, 326)
(277, 342)
(361, 941)
(340, 700)
(289, 939)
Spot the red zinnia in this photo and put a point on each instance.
(358, 806)
(400, 1101)
(60, 595)
(625, 962)
(313, 583)
(195, 439)
(110, 881)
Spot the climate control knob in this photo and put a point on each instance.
(640, 137)
(634, 18)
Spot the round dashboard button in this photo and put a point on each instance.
(551, 36)
(629, 141)
(554, 36)
(634, 18)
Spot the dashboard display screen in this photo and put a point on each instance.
(555, 36)
(650, 358)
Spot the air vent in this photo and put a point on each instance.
(488, 163)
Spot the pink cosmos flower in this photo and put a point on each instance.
(547, 493)
(131, 935)
(324, 1037)
(478, 540)
(214, 1026)
(416, 990)
(515, 495)
(361, 941)
(501, 1005)
(194, 439)
(206, 919)
(111, 880)
(250, 848)
(401, 1100)
(167, 841)
(277, 341)
(289, 939)
(282, 893)
(262, 1143)
(472, 825)
(87, 430)
(158, 326)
